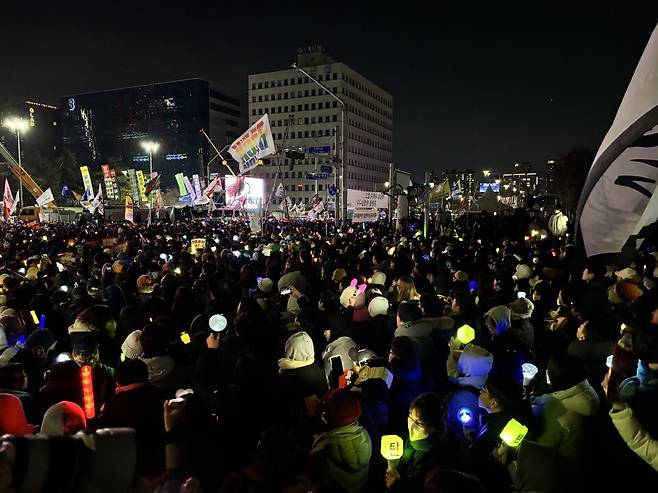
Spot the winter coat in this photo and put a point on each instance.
(524, 332)
(421, 332)
(139, 406)
(472, 368)
(593, 354)
(641, 392)
(293, 384)
(635, 435)
(407, 385)
(564, 418)
(343, 455)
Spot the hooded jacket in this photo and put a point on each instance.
(343, 455)
(564, 419)
(635, 435)
(12, 416)
(473, 366)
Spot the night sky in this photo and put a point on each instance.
(477, 87)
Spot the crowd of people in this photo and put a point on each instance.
(276, 360)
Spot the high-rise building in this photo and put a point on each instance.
(109, 126)
(468, 180)
(303, 116)
(44, 135)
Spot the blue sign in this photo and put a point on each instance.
(332, 190)
(319, 150)
(325, 168)
(317, 176)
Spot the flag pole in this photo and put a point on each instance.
(219, 153)
(278, 170)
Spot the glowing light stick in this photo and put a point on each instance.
(391, 449)
(513, 433)
(465, 334)
(87, 392)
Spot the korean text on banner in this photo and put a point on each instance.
(140, 186)
(198, 245)
(115, 184)
(182, 189)
(254, 144)
(365, 216)
(86, 181)
(197, 185)
(107, 178)
(45, 198)
(128, 215)
(189, 187)
(358, 199)
(134, 190)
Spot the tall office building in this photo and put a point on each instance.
(44, 135)
(304, 116)
(468, 179)
(109, 126)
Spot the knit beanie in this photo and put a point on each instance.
(63, 419)
(341, 407)
(12, 417)
(521, 308)
(378, 278)
(131, 347)
(378, 306)
(523, 271)
(265, 285)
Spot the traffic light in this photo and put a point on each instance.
(291, 154)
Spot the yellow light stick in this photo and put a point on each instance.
(513, 433)
(185, 337)
(465, 334)
(391, 449)
(35, 319)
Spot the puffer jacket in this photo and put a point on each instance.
(343, 455)
(635, 435)
(564, 417)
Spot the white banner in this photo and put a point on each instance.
(365, 216)
(45, 198)
(359, 199)
(254, 144)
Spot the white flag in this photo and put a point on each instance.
(97, 204)
(45, 198)
(214, 186)
(279, 191)
(619, 201)
(254, 144)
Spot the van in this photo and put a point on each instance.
(28, 214)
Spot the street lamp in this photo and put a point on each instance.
(343, 174)
(387, 184)
(18, 125)
(150, 147)
(486, 172)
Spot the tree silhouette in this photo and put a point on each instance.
(569, 175)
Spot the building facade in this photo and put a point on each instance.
(468, 179)
(109, 126)
(44, 135)
(303, 116)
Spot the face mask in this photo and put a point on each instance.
(416, 432)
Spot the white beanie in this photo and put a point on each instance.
(378, 278)
(378, 306)
(299, 347)
(523, 271)
(131, 347)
